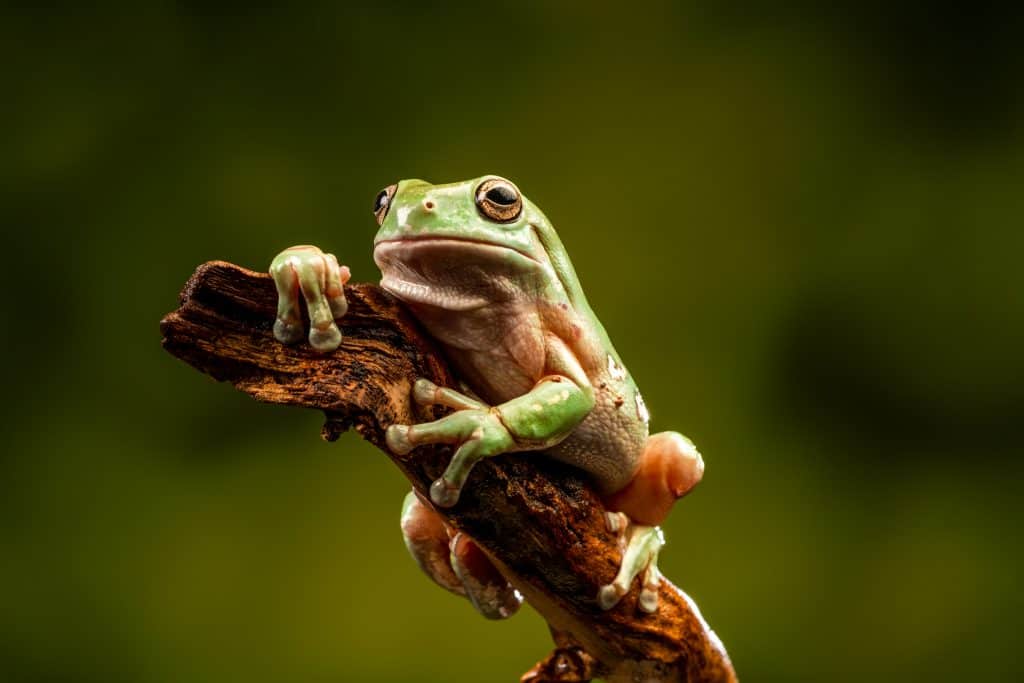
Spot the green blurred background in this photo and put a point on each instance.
(801, 227)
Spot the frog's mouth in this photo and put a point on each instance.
(453, 273)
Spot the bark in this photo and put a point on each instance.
(537, 519)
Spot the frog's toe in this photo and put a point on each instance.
(616, 522)
(444, 493)
(649, 601)
(288, 331)
(651, 584)
(424, 392)
(397, 439)
(610, 595)
(326, 339)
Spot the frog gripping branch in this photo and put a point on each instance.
(481, 370)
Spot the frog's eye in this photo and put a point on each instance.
(499, 200)
(383, 202)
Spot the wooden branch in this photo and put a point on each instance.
(537, 519)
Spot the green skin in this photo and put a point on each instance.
(539, 372)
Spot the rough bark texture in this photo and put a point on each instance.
(539, 520)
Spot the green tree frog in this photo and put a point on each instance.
(484, 272)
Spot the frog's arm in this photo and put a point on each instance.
(538, 419)
(547, 413)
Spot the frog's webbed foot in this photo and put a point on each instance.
(475, 428)
(642, 545)
(308, 272)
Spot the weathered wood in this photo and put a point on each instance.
(537, 519)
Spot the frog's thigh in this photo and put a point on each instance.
(669, 468)
(427, 538)
(455, 562)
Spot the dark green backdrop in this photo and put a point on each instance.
(802, 228)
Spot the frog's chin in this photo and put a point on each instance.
(426, 295)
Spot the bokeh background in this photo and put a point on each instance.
(802, 228)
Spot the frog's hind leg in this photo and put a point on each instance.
(455, 562)
(669, 468)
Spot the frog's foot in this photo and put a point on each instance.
(640, 557)
(475, 428)
(320, 280)
(455, 562)
(616, 522)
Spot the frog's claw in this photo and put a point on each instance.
(320, 280)
(397, 439)
(641, 555)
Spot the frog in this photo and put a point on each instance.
(483, 271)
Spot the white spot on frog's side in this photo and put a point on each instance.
(641, 408)
(615, 370)
(559, 397)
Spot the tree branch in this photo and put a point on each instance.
(537, 519)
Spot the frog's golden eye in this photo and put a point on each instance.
(499, 200)
(383, 202)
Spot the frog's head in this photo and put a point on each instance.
(462, 245)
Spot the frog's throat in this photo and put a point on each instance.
(419, 293)
(450, 273)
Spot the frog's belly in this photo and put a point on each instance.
(607, 445)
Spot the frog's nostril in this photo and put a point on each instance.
(428, 205)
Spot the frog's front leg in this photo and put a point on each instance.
(536, 420)
(307, 271)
